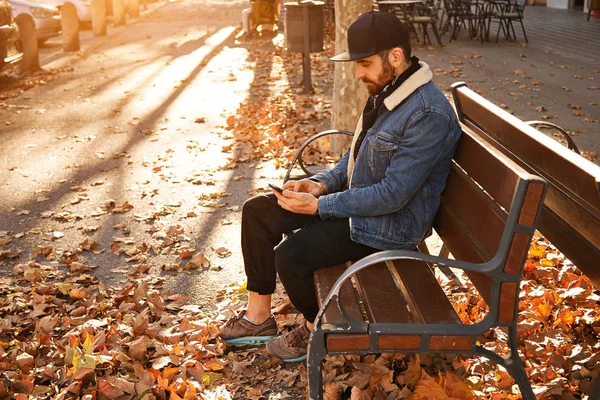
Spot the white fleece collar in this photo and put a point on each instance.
(421, 77)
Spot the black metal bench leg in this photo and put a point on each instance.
(515, 366)
(512, 363)
(316, 354)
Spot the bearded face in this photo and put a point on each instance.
(385, 75)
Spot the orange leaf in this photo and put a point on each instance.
(530, 265)
(428, 388)
(106, 390)
(169, 372)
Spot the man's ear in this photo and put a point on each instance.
(397, 56)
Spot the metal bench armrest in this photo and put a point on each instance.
(298, 156)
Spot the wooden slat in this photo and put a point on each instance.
(508, 296)
(531, 204)
(517, 253)
(581, 220)
(424, 293)
(451, 343)
(324, 280)
(399, 342)
(450, 230)
(583, 254)
(347, 342)
(381, 298)
(578, 175)
(477, 212)
(497, 177)
(463, 246)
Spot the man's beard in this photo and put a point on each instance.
(386, 75)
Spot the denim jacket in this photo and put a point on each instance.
(391, 192)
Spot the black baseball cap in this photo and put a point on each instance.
(371, 33)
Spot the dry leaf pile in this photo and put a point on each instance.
(64, 336)
(278, 118)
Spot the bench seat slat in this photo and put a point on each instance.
(424, 293)
(324, 280)
(381, 298)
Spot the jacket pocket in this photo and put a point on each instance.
(380, 152)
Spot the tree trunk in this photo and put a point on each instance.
(349, 94)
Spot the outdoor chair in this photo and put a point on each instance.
(463, 13)
(404, 12)
(425, 15)
(504, 13)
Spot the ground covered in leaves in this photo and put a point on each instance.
(65, 336)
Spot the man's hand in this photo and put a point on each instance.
(297, 202)
(306, 186)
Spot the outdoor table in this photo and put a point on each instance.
(403, 9)
(404, 6)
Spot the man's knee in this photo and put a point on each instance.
(256, 206)
(290, 258)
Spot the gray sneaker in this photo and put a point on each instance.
(239, 331)
(291, 346)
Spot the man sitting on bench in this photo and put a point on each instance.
(382, 194)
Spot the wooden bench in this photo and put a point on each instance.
(477, 224)
(391, 301)
(570, 216)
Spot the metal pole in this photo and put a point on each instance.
(306, 65)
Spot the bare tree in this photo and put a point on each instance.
(349, 95)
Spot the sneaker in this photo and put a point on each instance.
(291, 346)
(240, 331)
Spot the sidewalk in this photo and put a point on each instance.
(563, 31)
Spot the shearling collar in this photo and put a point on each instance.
(422, 76)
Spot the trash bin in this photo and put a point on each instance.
(304, 29)
(294, 26)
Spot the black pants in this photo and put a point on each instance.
(318, 244)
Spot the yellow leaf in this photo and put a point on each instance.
(190, 393)
(544, 309)
(176, 350)
(546, 263)
(65, 288)
(75, 362)
(87, 344)
(565, 317)
(536, 251)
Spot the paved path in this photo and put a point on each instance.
(563, 31)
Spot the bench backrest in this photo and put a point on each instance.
(570, 218)
(487, 213)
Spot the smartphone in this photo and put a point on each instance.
(276, 188)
